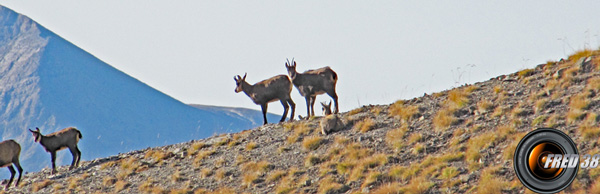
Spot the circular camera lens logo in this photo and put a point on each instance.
(546, 160)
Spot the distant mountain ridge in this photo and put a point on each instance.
(47, 82)
(250, 115)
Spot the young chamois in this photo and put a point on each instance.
(9, 156)
(326, 108)
(312, 83)
(66, 138)
(269, 90)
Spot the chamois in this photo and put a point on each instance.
(65, 138)
(331, 123)
(312, 83)
(326, 108)
(269, 90)
(9, 156)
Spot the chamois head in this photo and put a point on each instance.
(291, 68)
(238, 82)
(36, 134)
(326, 108)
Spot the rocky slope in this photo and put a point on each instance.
(457, 141)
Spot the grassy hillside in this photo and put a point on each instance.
(455, 141)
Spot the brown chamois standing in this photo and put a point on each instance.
(312, 83)
(9, 156)
(269, 90)
(326, 108)
(65, 138)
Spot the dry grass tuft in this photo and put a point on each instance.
(108, 164)
(593, 83)
(553, 120)
(312, 143)
(498, 89)
(157, 155)
(457, 98)
(108, 181)
(404, 112)
(41, 185)
(251, 145)
(276, 175)
(197, 146)
(580, 101)
(519, 111)
(177, 176)
(444, 119)
(128, 167)
(418, 185)
(475, 145)
(259, 168)
(415, 137)
(250, 179)
(329, 185)
(299, 130)
(595, 187)
(538, 121)
(540, 105)
(364, 125)
(201, 156)
(395, 137)
(220, 174)
(355, 111)
(509, 152)
(490, 182)
(180, 191)
(449, 172)
(74, 182)
(121, 185)
(224, 141)
(311, 160)
(418, 148)
(389, 188)
(589, 132)
(525, 73)
(372, 178)
(582, 53)
(485, 106)
(147, 185)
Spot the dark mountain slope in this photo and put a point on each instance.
(47, 82)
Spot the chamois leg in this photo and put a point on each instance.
(18, 165)
(12, 175)
(335, 100)
(313, 99)
(285, 110)
(53, 156)
(263, 107)
(307, 98)
(75, 156)
(293, 105)
(78, 156)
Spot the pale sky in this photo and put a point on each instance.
(382, 50)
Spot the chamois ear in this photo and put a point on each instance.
(244, 78)
(323, 104)
(31, 130)
(235, 78)
(37, 129)
(329, 103)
